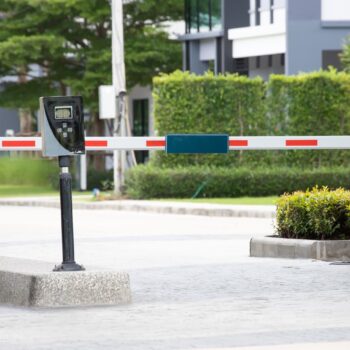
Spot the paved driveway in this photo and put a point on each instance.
(194, 286)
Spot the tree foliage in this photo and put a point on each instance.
(49, 45)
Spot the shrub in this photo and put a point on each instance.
(27, 171)
(186, 103)
(306, 104)
(102, 180)
(315, 103)
(317, 214)
(144, 182)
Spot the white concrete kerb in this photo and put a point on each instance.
(274, 247)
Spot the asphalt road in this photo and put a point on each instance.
(194, 286)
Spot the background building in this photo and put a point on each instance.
(8, 121)
(205, 42)
(260, 37)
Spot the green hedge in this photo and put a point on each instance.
(28, 171)
(307, 104)
(102, 180)
(317, 214)
(143, 182)
(186, 103)
(310, 104)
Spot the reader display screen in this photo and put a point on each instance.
(63, 112)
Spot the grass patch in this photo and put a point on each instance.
(36, 191)
(25, 190)
(107, 196)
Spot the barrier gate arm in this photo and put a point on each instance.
(159, 143)
(58, 144)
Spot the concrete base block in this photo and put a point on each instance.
(273, 247)
(33, 283)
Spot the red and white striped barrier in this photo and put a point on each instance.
(289, 142)
(159, 143)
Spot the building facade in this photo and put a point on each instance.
(260, 37)
(8, 121)
(205, 43)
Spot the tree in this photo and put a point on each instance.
(53, 45)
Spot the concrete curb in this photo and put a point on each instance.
(273, 247)
(33, 283)
(247, 211)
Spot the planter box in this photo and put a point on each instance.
(274, 247)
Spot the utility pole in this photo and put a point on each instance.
(118, 71)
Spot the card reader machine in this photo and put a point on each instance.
(62, 128)
(62, 125)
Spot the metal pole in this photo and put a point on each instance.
(83, 173)
(118, 74)
(68, 263)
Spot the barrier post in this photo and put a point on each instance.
(68, 263)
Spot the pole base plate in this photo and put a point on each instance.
(68, 267)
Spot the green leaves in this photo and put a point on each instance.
(317, 214)
(186, 103)
(27, 171)
(70, 42)
(23, 50)
(26, 95)
(307, 104)
(149, 52)
(182, 182)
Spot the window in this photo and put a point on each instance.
(194, 26)
(257, 12)
(140, 125)
(215, 14)
(270, 61)
(331, 58)
(283, 59)
(202, 15)
(241, 66)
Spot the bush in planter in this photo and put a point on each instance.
(317, 214)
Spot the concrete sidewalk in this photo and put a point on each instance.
(183, 208)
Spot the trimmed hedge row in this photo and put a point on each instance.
(145, 181)
(186, 103)
(27, 171)
(310, 104)
(307, 104)
(317, 214)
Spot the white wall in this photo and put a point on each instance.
(335, 10)
(258, 41)
(207, 49)
(279, 16)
